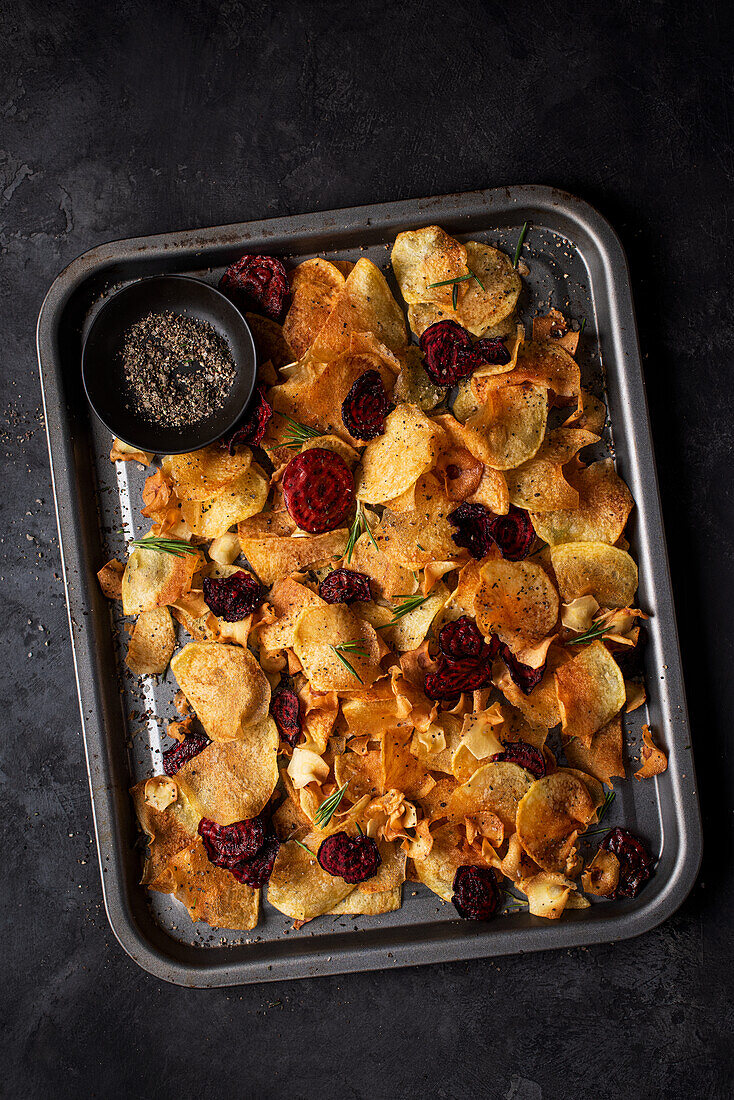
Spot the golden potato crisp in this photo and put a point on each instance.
(387, 578)
(360, 903)
(225, 685)
(324, 641)
(397, 458)
(413, 385)
(410, 630)
(605, 502)
(489, 304)
(124, 452)
(200, 475)
(287, 598)
(539, 484)
(553, 326)
(590, 690)
(243, 497)
(155, 579)
(421, 257)
(169, 831)
(210, 893)
(540, 708)
(231, 781)
(594, 569)
(546, 363)
(365, 304)
(593, 413)
(654, 760)
(516, 601)
(495, 788)
(601, 877)
(152, 643)
(604, 757)
(315, 287)
(512, 422)
(110, 579)
(547, 894)
(550, 816)
(275, 557)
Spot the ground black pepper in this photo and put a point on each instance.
(178, 370)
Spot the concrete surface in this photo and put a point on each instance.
(142, 116)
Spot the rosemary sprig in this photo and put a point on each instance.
(357, 646)
(304, 848)
(328, 807)
(410, 603)
(594, 631)
(520, 243)
(583, 326)
(359, 527)
(298, 433)
(457, 280)
(347, 664)
(608, 799)
(177, 547)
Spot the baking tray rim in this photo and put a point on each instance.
(570, 933)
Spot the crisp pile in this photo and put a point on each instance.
(391, 602)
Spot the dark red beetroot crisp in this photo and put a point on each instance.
(474, 523)
(252, 430)
(318, 489)
(477, 894)
(523, 754)
(259, 283)
(450, 680)
(233, 598)
(514, 534)
(286, 711)
(365, 407)
(445, 345)
(257, 870)
(226, 845)
(492, 350)
(525, 677)
(353, 858)
(180, 754)
(345, 586)
(460, 639)
(478, 528)
(635, 862)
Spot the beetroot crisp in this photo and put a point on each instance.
(444, 346)
(464, 661)
(365, 407)
(180, 754)
(226, 845)
(259, 283)
(318, 489)
(247, 848)
(286, 711)
(477, 894)
(353, 858)
(479, 529)
(523, 754)
(252, 430)
(233, 598)
(345, 586)
(635, 862)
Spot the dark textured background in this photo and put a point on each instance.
(142, 116)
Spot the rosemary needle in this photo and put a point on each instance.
(348, 666)
(177, 547)
(328, 807)
(520, 243)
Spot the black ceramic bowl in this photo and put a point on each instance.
(102, 362)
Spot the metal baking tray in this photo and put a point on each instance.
(577, 264)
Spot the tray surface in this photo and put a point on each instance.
(576, 264)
